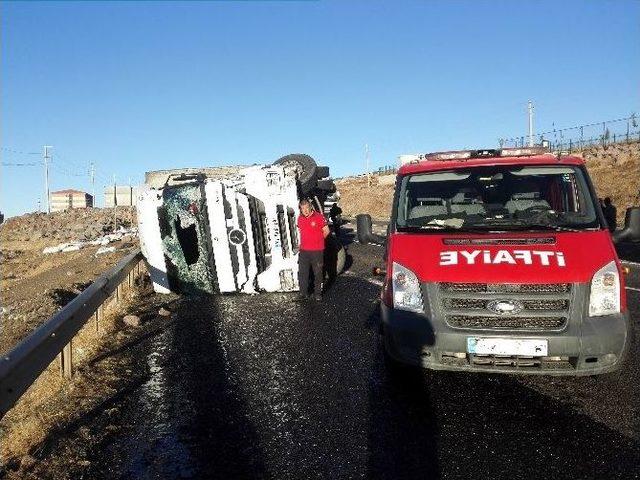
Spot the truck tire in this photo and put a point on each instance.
(322, 172)
(305, 167)
(363, 228)
(326, 185)
(400, 374)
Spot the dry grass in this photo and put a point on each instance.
(52, 401)
(615, 171)
(357, 197)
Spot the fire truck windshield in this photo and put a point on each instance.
(497, 198)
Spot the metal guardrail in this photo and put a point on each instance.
(23, 365)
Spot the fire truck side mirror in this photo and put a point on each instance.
(631, 230)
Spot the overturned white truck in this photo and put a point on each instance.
(231, 229)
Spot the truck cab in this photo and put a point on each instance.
(500, 261)
(220, 230)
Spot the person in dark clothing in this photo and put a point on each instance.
(313, 230)
(334, 215)
(610, 214)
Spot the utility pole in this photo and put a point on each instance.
(46, 175)
(115, 202)
(130, 193)
(92, 173)
(530, 108)
(366, 156)
(39, 206)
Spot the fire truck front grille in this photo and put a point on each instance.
(482, 304)
(508, 323)
(511, 307)
(543, 288)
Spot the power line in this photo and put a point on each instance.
(19, 152)
(9, 164)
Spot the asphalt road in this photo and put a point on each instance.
(271, 387)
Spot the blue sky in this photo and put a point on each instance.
(137, 86)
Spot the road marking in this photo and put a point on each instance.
(632, 288)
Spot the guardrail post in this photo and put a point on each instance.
(118, 292)
(97, 318)
(66, 360)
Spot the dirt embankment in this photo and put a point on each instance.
(33, 286)
(358, 196)
(77, 224)
(615, 171)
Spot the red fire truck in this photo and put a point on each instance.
(500, 260)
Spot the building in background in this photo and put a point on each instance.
(124, 195)
(66, 199)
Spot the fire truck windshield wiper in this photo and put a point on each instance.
(416, 228)
(550, 226)
(516, 224)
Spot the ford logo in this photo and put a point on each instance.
(505, 307)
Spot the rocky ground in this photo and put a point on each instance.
(34, 285)
(35, 229)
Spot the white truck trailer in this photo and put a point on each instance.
(234, 232)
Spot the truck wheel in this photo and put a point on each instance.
(322, 172)
(305, 168)
(399, 373)
(326, 185)
(363, 221)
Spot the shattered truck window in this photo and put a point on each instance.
(185, 235)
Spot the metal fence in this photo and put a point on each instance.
(618, 131)
(579, 144)
(23, 365)
(385, 170)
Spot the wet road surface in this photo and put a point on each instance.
(271, 387)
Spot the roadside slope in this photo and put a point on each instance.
(615, 171)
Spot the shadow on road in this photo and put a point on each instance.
(186, 420)
(427, 424)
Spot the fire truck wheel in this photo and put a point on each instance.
(399, 373)
(305, 168)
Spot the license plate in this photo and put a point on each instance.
(507, 346)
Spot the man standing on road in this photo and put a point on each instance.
(610, 214)
(313, 230)
(335, 216)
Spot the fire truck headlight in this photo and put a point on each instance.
(605, 291)
(406, 289)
